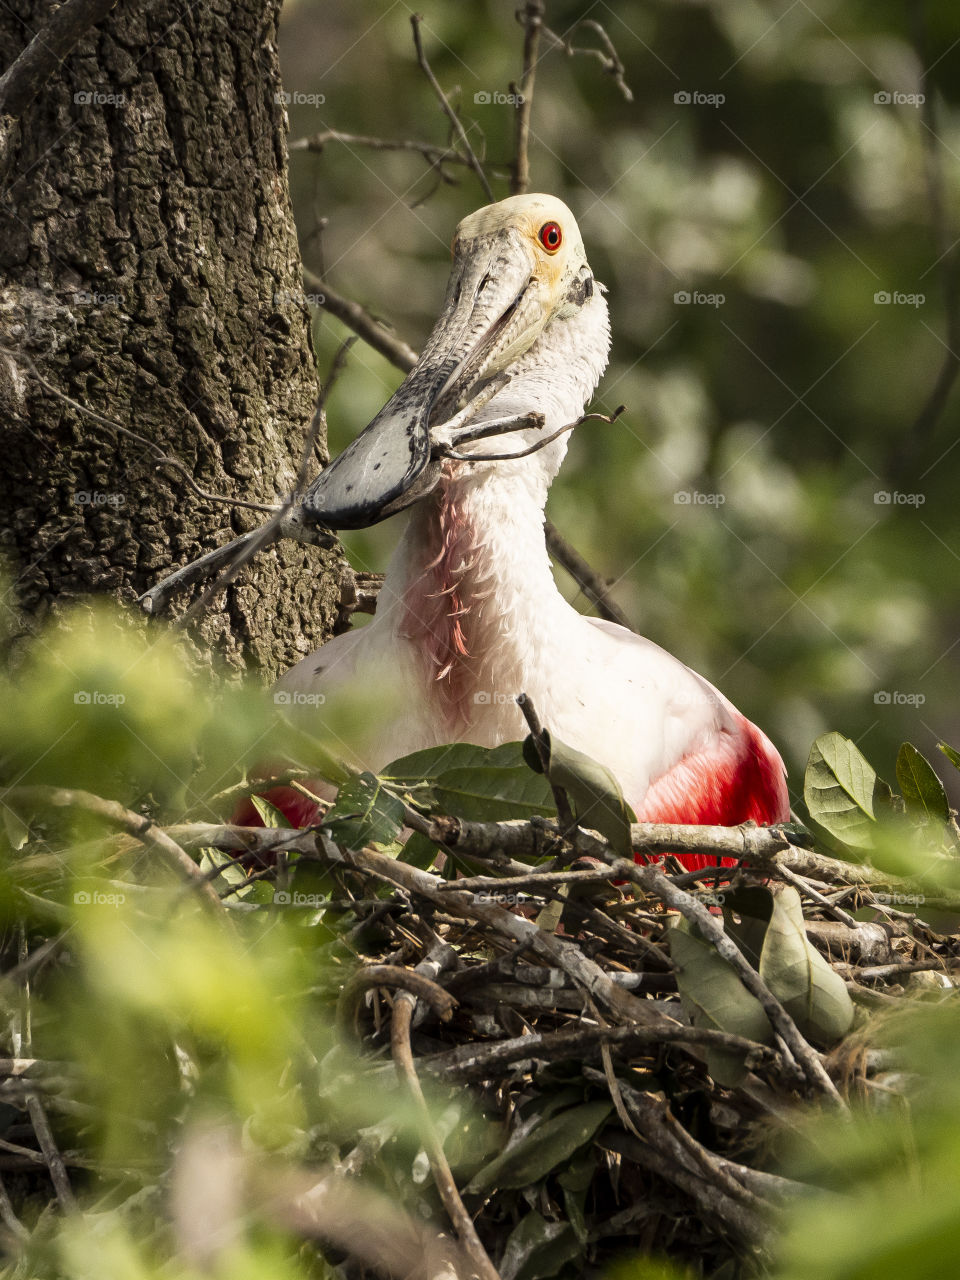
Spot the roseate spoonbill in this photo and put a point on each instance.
(469, 614)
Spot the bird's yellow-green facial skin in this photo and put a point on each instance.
(526, 215)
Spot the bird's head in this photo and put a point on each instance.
(519, 268)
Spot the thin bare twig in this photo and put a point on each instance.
(608, 57)
(540, 741)
(652, 879)
(472, 161)
(401, 1021)
(162, 458)
(533, 12)
(144, 829)
(435, 155)
(446, 452)
(363, 324)
(286, 520)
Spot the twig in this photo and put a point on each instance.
(607, 56)
(471, 159)
(488, 1061)
(403, 1057)
(110, 811)
(807, 888)
(162, 458)
(589, 581)
(436, 156)
(652, 879)
(567, 822)
(51, 1153)
(363, 324)
(394, 977)
(8, 1215)
(286, 521)
(532, 26)
(446, 452)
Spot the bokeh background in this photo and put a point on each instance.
(778, 505)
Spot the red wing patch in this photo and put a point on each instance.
(738, 777)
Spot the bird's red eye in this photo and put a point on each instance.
(550, 236)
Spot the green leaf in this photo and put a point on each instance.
(537, 1249)
(364, 813)
(542, 1150)
(951, 753)
(419, 852)
(713, 996)
(592, 789)
(269, 814)
(922, 791)
(840, 789)
(479, 784)
(792, 967)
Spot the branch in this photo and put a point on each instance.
(653, 881)
(286, 522)
(532, 27)
(586, 578)
(110, 811)
(517, 424)
(541, 742)
(162, 458)
(363, 324)
(607, 56)
(471, 159)
(403, 1008)
(436, 156)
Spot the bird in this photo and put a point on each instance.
(469, 615)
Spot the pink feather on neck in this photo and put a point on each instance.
(440, 606)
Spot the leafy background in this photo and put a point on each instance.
(798, 198)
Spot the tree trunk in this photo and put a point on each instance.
(151, 273)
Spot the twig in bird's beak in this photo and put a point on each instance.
(516, 424)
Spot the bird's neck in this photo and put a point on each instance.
(470, 578)
(470, 588)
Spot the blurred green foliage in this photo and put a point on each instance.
(798, 198)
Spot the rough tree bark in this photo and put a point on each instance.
(151, 272)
